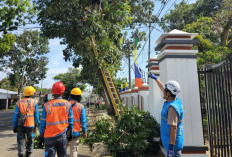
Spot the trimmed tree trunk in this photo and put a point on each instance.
(107, 101)
(225, 33)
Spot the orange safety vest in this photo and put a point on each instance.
(57, 111)
(22, 105)
(76, 108)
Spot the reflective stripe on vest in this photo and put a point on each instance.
(54, 123)
(57, 117)
(165, 128)
(22, 105)
(76, 107)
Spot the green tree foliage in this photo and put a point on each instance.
(6, 84)
(184, 13)
(5, 43)
(131, 135)
(77, 21)
(212, 19)
(13, 13)
(205, 27)
(178, 17)
(43, 90)
(26, 60)
(71, 79)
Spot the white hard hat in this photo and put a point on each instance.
(173, 86)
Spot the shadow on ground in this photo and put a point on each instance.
(13, 148)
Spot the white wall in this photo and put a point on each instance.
(145, 95)
(135, 99)
(155, 100)
(4, 96)
(185, 72)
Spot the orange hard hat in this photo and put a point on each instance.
(58, 88)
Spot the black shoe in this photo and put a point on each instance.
(28, 154)
(20, 155)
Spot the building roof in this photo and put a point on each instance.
(3, 91)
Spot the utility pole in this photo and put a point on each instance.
(149, 44)
(129, 71)
(7, 95)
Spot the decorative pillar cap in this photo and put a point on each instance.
(144, 87)
(176, 33)
(136, 88)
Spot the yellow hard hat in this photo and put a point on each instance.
(29, 91)
(76, 91)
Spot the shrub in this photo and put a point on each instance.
(131, 135)
(100, 134)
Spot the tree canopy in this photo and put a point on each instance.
(71, 79)
(77, 22)
(212, 19)
(13, 13)
(25, 60)
(6, 84)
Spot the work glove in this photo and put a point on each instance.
(15, 129)
(152, 76)
(69, 134)
(41, 141)
(171, 151)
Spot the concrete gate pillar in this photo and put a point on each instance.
(155, 95)
(177, 61)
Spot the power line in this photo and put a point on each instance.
(169, 8)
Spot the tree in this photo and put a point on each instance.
(77, 22)
(71, 79)
(13, 13)
(6, 84)
(184, 13)
(223, 22)
(212, 19)
(81, 26)
(26, 60)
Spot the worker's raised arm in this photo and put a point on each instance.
(159, 83)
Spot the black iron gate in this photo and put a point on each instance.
(216, 99)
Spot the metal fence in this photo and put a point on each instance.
(216, 99)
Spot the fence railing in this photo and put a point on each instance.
(216, 103)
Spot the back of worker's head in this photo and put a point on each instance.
(58, 89)
(29, 91)
(75, 94)
(173, 87)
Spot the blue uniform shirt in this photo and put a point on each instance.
(15, 116)
(83, 122)
(43, 121)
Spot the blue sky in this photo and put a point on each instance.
(57, 64)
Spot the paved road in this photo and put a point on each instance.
(8, 141)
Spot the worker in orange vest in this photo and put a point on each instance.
(80, 120)
(56, 119)
(25, 120)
